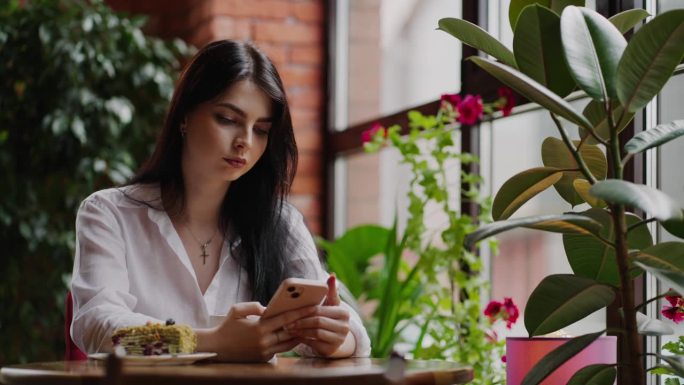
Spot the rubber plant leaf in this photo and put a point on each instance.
(522, 187)
(562, 299)
(593, 47)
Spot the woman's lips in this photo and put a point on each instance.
(235, 162)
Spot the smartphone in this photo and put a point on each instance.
(295, 293)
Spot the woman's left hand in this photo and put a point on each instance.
(326, 331)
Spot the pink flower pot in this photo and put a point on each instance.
(523, 353)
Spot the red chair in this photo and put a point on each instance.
(72, 352)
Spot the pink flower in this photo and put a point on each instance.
(453, 99)
(506, 93)
(492, 310)
(675, 300)
(676, 314)
(506, 311)
(470, 110)
(676, 311)
(512, 312)
(369, 134)
(503, 358)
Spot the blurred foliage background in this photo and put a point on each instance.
(83, 93)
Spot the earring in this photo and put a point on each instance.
(183, 130)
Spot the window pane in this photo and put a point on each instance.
(667, 5)
(374, 189)
(396, 57)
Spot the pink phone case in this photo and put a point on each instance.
(295, 293)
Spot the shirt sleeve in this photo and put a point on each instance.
(100, 285)
(306, 263)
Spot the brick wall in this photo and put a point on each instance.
(291, 32)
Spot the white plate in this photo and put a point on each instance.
(164, 359)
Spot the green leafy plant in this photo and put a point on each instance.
(425, 288)
(351, 254)
(559, 46)
(676, 350)
(83, 93)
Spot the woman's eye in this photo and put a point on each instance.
(225, 120)
(261, 131)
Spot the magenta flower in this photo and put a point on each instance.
(512, 312)
(470, 110)
(492, 310)
(506, 311)
(369, 134)
(506, 93)
(675, 312)
(453, 99)
(675, 300)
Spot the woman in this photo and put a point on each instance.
(203, 230)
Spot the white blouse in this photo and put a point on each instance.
(131, 267)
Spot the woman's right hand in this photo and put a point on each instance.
(244, 336)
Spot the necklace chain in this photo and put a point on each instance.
(203, 245)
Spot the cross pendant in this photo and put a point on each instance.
(204, 254)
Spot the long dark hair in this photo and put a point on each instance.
(251, 210)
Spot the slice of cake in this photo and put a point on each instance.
(156, 339)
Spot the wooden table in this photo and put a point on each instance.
(355, 371)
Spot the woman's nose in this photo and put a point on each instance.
(244, 139)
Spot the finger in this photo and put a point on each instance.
(277, 322)
(243, 309)
(283, 346)
(321, 335)
(336, 312)
(332, 299)
(320, 347)
(281, 336)
(330, 324)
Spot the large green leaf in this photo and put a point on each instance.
(537, 52)
(568, 225)
(559, 5)
(515, 7)
(676, 363)
(675, 226)
(593, 47)
(626, 20)
(553, 222)
(557, 155)
(562, 299)
(388, 310)
(582, 187)
(653, 201)
(477, 37)
(349, 255)
(522, 187)
(596, 114)
(655, 136)
(557, 357)
(591, 258)
(532, 90)
(597, 374)
(650, 58)
(665, 261)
